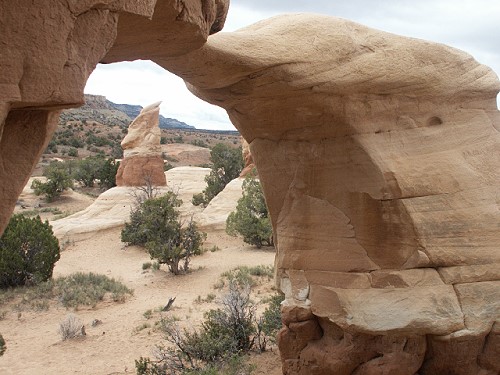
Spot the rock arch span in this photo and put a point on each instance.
(378, 155)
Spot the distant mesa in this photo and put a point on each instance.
(99, 109)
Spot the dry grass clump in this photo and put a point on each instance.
(71, 327)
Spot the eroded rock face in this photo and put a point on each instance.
(45, 63)
(378, 156)
(143, 162)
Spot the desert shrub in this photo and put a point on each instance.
(3, 346)
(227, 163)
(51, 148)
(71, 291)
(251, 218)
(242, 275)
(73, 152)
(98, 141)
(58, 179)
(198, 199)
(199, 143)
(28, 251)
(156, 224)
(94, 169)
(88, 289)
(71, 327)
(226, 333)
(270, 321)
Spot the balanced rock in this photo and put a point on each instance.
(378, 156)
(143, 162)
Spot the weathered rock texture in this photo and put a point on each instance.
(143, 162)
(379, 159)
(378, 156)
(48, 50)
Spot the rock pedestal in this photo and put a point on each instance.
(143, 162)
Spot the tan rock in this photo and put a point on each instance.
(378, 154)
(143, 162)
(143, 136)
(214, 216)
(480, 304)
(406, 278)
(414, 311)
(468, 274)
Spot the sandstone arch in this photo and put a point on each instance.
(379, 158)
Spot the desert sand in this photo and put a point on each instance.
(34, 345)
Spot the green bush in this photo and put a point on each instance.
(270, 322)
(73, 152)
(156, 224)
(3, 347)
(96, 169)
(251, 219)
(88, 289)
(28, 252)
(58, 180)
(227, 163)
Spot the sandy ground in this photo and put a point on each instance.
(34, 345)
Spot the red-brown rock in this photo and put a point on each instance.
(141, 171)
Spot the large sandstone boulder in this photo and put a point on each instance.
(378, 156)
(45, 63)
(143, 162)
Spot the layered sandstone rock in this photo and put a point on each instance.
(45, 63)
(143, 162)
(378, 156)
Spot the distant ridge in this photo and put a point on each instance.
(99, 109)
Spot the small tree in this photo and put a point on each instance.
(28, 252)
(227, 163)
(96, 169)
(155, 223)
(251, 219)
(58, 179)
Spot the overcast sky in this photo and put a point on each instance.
(470, 25)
